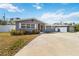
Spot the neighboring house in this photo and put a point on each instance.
(31, 24)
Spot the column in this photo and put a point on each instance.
(36, 26)
(19, 25)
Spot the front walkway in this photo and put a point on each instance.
(52, 44)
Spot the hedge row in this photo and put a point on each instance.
(24, 32)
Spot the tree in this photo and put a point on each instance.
(11, 20)
(17, 18)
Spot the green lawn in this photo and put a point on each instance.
(10, 45)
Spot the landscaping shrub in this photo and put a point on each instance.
(12, 32)
(77, 27)
(35, 31)
(18, 32)
(24, 32)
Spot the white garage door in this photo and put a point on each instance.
(63, 29)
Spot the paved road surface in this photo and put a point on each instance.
(54, 44)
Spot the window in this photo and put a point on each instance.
(28, 25)
(32, 25)
(23, 25)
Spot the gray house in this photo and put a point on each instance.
(31, 24)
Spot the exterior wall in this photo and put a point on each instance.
(49, 29)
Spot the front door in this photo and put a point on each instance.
(40, 27)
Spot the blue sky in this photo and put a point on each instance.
(47, 12)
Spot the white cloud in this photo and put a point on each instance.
(57, 17)
(73, 14)
(37, 6)
(10, 8)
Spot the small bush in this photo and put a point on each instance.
(12, 32)
(35, 31)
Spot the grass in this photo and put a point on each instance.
(10, 45)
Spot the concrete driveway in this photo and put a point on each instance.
(54, 44)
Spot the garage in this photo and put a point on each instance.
(61, 29)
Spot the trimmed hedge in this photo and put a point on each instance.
(18, 32)
(24, 32)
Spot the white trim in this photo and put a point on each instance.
(19, 25)
(45, 27)
(36, 26)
